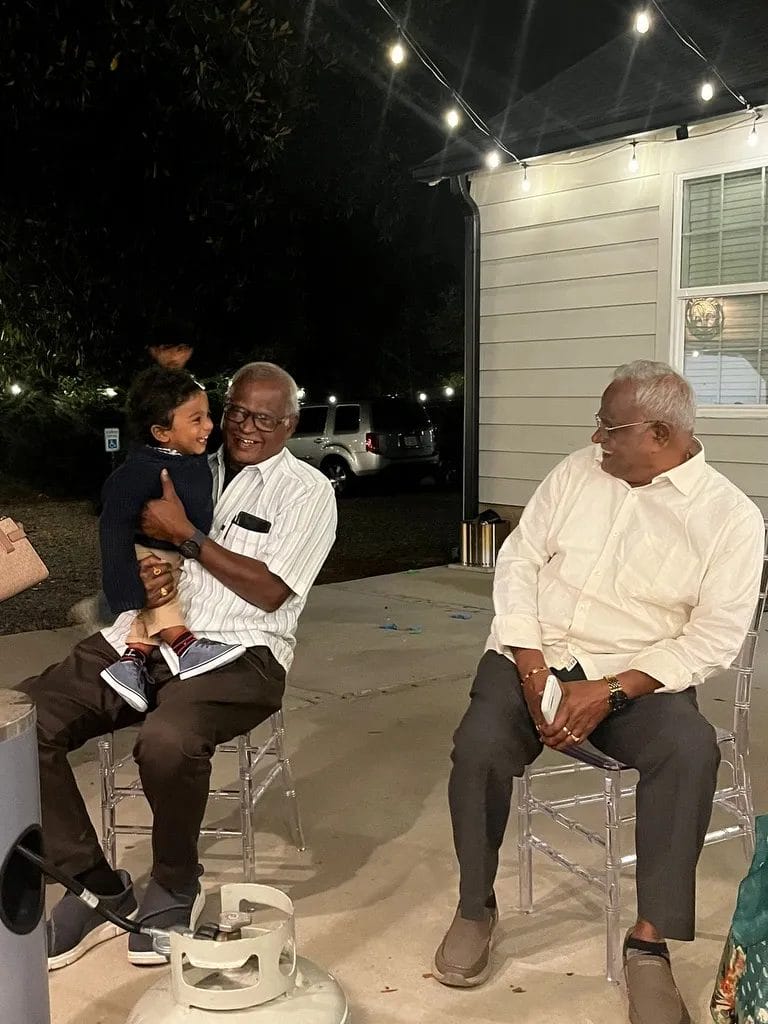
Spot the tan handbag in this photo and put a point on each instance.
(20, 565)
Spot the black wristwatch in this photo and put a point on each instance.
(191, 548)
(617, 699)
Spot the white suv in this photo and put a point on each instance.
(362, 438)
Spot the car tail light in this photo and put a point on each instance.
(372, 443)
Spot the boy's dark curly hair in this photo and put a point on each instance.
(154, 397)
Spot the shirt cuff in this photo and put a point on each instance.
(517, 631)
(664, 666)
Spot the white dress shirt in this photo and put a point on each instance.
(663, 578)
(299, 504)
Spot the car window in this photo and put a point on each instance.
(398, 416)
(347, 419)
(312, 420)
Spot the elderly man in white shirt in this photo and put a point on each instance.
(246, 583)
(632, 576)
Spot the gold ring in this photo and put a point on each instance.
(565, 727)
(575, 738)
(163, 591)
(156, 571)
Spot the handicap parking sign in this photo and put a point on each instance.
(111, 439)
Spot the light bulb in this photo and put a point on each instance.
(449, 392)
(109, 393)
(332, 399)
(642, 22)
(422, 396)
(493, 159)
(525, 185)
(452, 118)
(397, 54)
(752, 139)
(634, 165)
(695, 353)
(301, 394)
(707, 91)
(15, 389)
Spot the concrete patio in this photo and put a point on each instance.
(370, 714)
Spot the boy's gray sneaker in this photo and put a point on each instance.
(162, 908)
(206, 655)
(129, 678)
(73, 927)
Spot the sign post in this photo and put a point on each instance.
(112, 444)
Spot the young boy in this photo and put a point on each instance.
(167, 411)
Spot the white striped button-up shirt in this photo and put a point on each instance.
(662, 579)
(299, 504)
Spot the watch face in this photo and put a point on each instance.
(190, 549)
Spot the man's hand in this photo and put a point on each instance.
(165, 518)
(583, 707)
(159, 584)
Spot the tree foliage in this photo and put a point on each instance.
(137, 137)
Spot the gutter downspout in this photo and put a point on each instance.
(471, 474)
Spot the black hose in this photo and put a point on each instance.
(91, 899)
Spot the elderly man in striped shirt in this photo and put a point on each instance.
(246, 582)
(633, 575)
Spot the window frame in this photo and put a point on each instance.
(679, 295)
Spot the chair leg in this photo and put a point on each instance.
(107, 778)
(744, 788)
(292, 800)
(246, 807)
(612, 799)
(524, 848)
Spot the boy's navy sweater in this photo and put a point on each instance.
(125, 492)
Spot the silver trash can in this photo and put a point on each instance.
(23, 956)
(493, 533)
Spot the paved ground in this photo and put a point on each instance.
(370, 718)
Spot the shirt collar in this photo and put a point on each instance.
(683, 477)
(265, 468)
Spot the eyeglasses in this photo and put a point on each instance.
(263, 421)
(607, 430)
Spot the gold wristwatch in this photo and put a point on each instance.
(617, 699)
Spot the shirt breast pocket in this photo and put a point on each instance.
(245, 542)
(659, 574)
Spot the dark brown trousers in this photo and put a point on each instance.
(177, 738)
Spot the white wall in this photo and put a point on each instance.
(576, 278)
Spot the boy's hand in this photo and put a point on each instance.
(165, 518)
(159, 584)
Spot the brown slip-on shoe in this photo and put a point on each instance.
(651, 990)
(463, 958)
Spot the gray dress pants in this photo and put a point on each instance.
(663, 736)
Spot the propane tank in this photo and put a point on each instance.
(242, 971)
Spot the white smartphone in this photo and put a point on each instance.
(550, 699)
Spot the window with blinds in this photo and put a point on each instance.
(723, 287)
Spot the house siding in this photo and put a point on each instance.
(576, 278)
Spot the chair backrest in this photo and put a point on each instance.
(745, 661)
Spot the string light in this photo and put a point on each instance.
(15, 389)
(332, 399)
(525, 185)
(301, 394)
(452, 118)
(407, 45)
(422, 396)
(449, 392)
(397, 54)
(109, 393)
